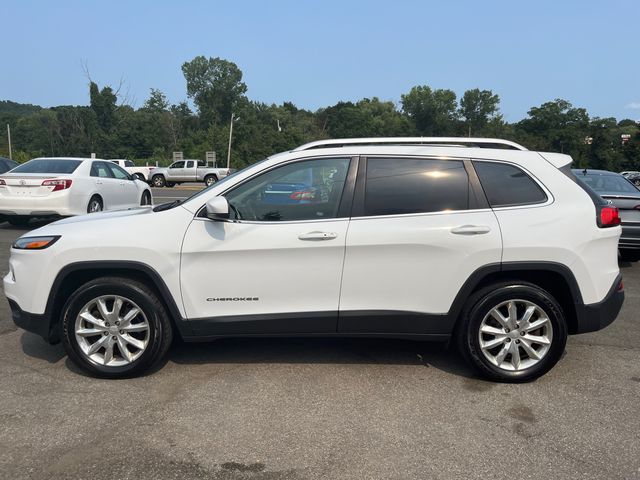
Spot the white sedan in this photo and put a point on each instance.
(45, 187)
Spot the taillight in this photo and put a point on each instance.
(302, 195)
(57, 184)
(609, 217)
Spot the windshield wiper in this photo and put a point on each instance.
(167, 206)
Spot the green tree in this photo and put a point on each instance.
(478, 108)
(157, 101)
(434, 112)
(215, 85)
(556, 126)
(103, 103)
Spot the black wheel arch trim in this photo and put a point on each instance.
(53, 336)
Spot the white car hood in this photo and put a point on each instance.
(92, 217)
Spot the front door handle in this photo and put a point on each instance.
(318, 236)
(471, 230)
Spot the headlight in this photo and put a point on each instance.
(35, 243)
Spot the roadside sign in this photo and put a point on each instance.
(177, 156)
(210, 157)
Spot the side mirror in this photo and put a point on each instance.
(217, 208)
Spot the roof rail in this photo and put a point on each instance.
(436, 141)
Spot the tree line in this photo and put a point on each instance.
(113, 129)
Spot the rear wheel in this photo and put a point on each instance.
(18, 221)
(115, 327)
(95, 204)
(158, 181)
(146, 198)
(512, 332)
(210, 180)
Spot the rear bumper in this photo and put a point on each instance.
(38, 324)
(630, 238)
(596, 316)
(56, 203)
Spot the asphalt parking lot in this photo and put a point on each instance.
(320, 408)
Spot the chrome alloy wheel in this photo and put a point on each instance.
(515, 335)
(95, 206)
(112, 331)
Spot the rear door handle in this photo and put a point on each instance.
(471, 230)
(318, 236)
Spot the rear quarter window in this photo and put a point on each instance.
(507, 185)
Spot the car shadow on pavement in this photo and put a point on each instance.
(36, 347)
(32, 225)
(322, 351)
(339, 351)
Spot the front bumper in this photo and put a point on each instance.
(596, 316)
(38, 324)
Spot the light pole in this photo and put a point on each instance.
(233, 119)
(9, 139)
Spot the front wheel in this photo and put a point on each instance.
(115, 327)
(512, 332)
(145, 200)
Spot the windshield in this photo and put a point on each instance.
(169, 205)
(607, 183)
(46, 165)
(224, 180)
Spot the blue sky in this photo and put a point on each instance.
(315, 53)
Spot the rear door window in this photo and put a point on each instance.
(396, 186)
(100, 169)
(506, 185)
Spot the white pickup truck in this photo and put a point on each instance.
(187, 171)
(141, 173)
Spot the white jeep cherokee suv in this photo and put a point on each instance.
(476, 240)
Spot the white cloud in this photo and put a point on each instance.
(633, 105)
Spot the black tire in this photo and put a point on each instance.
(170, 184)
(139, 176)
(158, 181)
(19, 221)
(210, 180)
(95, 204)
(478, 307)
(160, 332)
(145, 199)
(630, 255)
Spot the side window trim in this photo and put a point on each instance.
(477, 197)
